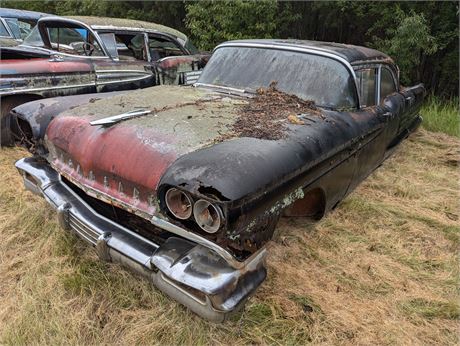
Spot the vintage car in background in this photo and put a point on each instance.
(185, 185)
(15, 25)
(67, 56)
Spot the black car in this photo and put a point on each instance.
(186, 184)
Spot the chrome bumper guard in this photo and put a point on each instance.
(190, 272)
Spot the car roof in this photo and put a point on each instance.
(13, 13)
(351, 53)
(110, 23)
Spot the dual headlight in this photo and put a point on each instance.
(207, 215)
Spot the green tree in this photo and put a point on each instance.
(212, 22)
(422, 36)
(408, 43)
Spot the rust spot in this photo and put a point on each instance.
(311, 205)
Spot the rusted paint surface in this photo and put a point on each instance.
(116, 162)
(252, 180)
(18, 67)
(91, 155)
(43, 72)
(173, 62)
(176, 143)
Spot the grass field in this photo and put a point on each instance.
(442, 115)
(381, 268)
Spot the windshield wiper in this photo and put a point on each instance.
(225, 88)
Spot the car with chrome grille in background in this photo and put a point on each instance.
(185, 185)
(82, 55)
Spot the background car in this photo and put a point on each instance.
(15, 25)
(66, 56)
(186, 184)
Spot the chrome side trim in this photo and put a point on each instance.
(121, 80)
(14, 91)
(59, 87)
(124, 71)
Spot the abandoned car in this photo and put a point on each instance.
(66, 56)
(186, 184)
(15, 25)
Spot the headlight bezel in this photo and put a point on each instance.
(216, 211)
(172, 199)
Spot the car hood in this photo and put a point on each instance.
(124, 162)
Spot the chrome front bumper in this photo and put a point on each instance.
(186, 267)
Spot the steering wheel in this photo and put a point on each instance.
(88, 48)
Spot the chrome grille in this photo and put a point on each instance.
(83, 230)
(191, 77)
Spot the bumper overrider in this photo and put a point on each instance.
(192, 270)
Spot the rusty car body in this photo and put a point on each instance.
(79, 55)
(167, 182)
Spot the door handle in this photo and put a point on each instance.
(408, 98)
(56, 58)
(388, 114)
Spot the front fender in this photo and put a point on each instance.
(33, 117)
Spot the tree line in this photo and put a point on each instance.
(422, 36)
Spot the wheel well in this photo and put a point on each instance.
(9, 128)
(19, 99)
(312, 205)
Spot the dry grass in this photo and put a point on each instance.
(382, 268)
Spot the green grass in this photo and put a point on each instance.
(431, 309)
(382, 268)
(441, 116)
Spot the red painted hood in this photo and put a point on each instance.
(116, 161)
(123, 163)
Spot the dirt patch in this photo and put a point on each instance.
(266, 114)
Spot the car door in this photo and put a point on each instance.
(129, 67)
(70, 69)
(378, 118)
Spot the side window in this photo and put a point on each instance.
(162, 48)
(131, 47)
(3, 30)
(367, 85)
(76, 41)
(110, 43)
(387, 84)
(20, 28)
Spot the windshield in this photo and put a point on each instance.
(311, 77)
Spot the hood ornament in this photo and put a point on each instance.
(114, 119)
